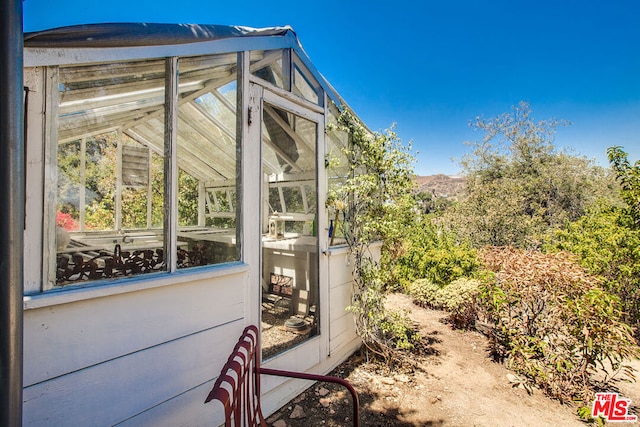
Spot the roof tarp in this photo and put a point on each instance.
(141, 34)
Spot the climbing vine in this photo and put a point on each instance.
(378, 204)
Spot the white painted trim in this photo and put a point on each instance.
(118, 195)
(171, 163)
(52, 101)
(295, 99)
(297, 108)
(287, 95)
(323, 238)
(251, 189)
(338, 250)
(150, 189)
(34, 79)
(122, 286)
(202, 197)
(300, 107)
(301, 358)
(63, 56)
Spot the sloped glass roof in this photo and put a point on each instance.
(113, 42)
(108, 85)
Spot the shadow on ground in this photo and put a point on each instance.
(383, 395)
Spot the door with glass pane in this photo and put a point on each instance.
(289, 236)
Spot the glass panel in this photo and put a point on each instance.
(272, 66)
(304, 84)
(289, 241)
(109, 158)
(99, 182)
(69, 186)
(143, 198)
(337, 173)
(207, 160)
(110, 116)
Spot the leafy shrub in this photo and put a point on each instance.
(628, 176)
(383, 331)
(425, 293)
(584, 412)
(553, 323)
(435, 254)
(458, 298)
(378, 204)
(399, 330)
(606, 243)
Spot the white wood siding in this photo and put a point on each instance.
(342, 333)
(102, 361)
(147, 351)
(149, 357)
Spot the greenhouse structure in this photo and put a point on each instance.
(176, 187)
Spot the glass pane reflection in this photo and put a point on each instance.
(289, 238)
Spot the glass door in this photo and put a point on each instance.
(289, 238)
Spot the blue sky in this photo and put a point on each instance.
(432, 67)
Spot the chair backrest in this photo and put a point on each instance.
(238, 386)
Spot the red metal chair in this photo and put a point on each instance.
(238, 386)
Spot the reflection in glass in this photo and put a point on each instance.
(109, 183)
(289, 237)
(337, 173)
(208, 170)
(272, 66)
(106, 215)
(304, 84)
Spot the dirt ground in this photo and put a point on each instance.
(458, 385)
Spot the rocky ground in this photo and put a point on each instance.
(456, 384)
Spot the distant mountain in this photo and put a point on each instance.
(441, 185)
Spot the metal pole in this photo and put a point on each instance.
(12, 184)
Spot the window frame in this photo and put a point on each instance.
(51, 102)
(41, 76)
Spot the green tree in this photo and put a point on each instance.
(629, 178)
(519, 185)
(607, 246)
(607, 239)
(187, 199)
(432, 204)
(100, 188)
(100, 182)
